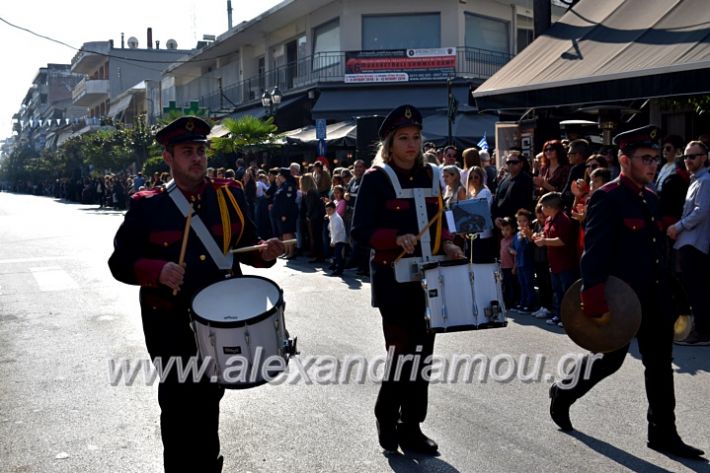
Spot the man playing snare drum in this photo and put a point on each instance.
(152, 250)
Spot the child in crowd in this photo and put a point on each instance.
(338, 238)
(560, 239)
(523, 249)
(507, 262)
(542, 268)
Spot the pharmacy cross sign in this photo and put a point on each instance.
(193, 109)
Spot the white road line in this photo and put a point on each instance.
(53, 278)
(37, 259)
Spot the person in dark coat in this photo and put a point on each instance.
(147, 250)
(515, 190)
(624, 238)
(284, 210)
(389, 226)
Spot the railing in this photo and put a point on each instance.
(471, 63)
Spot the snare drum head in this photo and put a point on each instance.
(236, 300)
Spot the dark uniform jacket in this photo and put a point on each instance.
(284, 210)
(624, 238)
(513, 194)
(379, 218)
(151, 235)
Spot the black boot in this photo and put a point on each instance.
(559, 409)
(668, 441)
(411, 438)
(387, 435)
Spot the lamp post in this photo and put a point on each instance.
(271, 100)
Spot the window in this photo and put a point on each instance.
(401, 31)
(326, 45)
(487, 33)
(524, 32)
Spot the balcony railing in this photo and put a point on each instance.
(471, 63)
(88, 92)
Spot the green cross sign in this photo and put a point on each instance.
(195, 109)
(172, 107)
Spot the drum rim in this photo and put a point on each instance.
(195, 317)
(444, 264)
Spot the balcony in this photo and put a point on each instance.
(329, 67)
(88, 92)
(90, 57)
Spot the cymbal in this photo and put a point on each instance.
(612, 330)
(682, 327)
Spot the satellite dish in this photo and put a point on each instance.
(133, 42)
(171, 44)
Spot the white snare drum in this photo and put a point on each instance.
(239, 328)
(463, 296)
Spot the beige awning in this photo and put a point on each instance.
(605, 51)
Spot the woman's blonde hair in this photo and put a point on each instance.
(308, 183)
(384, 150)
(475, 171)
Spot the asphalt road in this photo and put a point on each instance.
(63, 319)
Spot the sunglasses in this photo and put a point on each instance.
(512, 161)
(668, 148)
(690, 157)
(592, 166)
(549, 148)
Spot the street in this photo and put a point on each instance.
(64, 320)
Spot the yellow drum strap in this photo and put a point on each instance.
(439, 224)
(240, 215)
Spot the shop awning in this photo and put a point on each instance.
(120, 106)
(606, 51)
(337, 134)
(346, 104)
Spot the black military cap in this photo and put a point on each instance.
(274, 170)
(646, 136)
(183, 130)
(404, 115)
(285, 172)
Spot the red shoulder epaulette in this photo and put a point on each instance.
(218, 182)
(145, 194)
(371, 169)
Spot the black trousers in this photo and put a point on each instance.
(189, 424)
(655, 339)
(695, 276)
(401, 398)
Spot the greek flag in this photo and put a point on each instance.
(483, 144)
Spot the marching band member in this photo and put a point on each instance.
(624, 238)
(389, 225)
(147, 249)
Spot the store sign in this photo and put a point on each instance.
(400, 65)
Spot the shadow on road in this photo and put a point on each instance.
(410, 463)
(630, 461)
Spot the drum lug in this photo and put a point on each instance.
(290, 347)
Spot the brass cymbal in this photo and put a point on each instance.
(682, 327)
(612, 330)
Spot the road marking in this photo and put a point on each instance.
(37, 259)
(53, 278)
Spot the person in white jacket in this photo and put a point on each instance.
(338, 238)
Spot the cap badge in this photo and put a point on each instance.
(653, 134)
(190, 125)
(407, 113)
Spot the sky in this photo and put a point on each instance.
(76, 22)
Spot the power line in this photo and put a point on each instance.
(114, 56)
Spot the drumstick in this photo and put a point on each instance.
(245, 249)
(183, 248)
(423, 230)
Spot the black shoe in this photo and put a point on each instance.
(337, 272)
(411, 438)
(559, 410)
(387, 435)
(671, 443)
(695, 340)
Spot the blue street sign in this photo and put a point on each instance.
(320, 129)
(321, 148)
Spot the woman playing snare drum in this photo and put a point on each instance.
(389, 226)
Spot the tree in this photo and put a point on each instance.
(246, 134)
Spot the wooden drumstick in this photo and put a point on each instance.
(183, 248)
(423, 230)
(245, 249)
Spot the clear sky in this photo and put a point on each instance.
(76, 22)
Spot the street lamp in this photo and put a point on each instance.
(271, 100)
